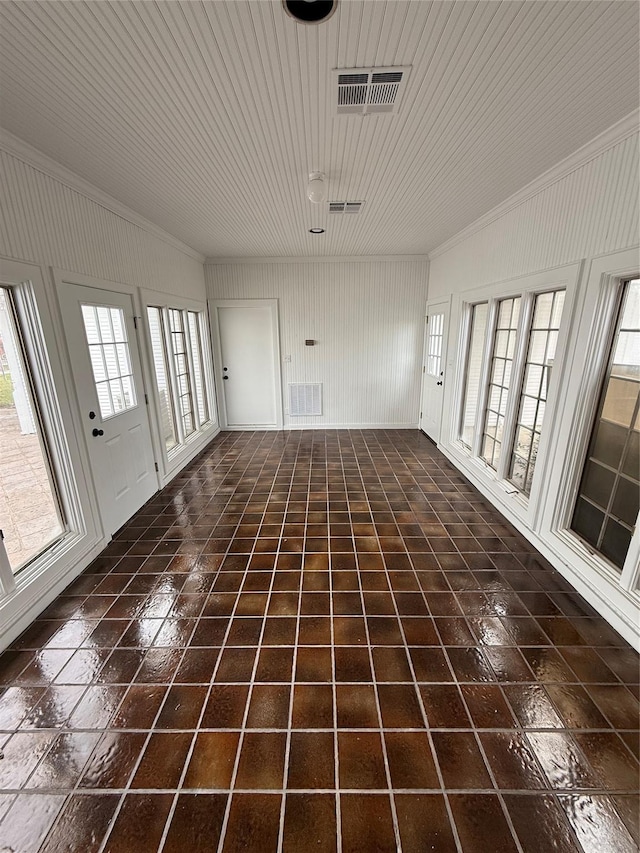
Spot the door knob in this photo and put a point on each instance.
(225, 377)
(96, 432)
(438, 383)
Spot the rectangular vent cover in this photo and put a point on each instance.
(305, 399)
(370, 91)
(345, 206)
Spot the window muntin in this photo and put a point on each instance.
(158, 351)
(504, 345)
(543, 339)
(29, 504)
(473, 373)
(606, 508)
(110, 358)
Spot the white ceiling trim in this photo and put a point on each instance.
(36, 159)
(317, 259)
(611, 137)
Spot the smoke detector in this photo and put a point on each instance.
(370, 91)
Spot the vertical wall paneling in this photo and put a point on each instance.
(367, 320)
(48, 222)
(588, 212)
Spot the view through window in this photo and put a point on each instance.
(28, 502)
(606, 510)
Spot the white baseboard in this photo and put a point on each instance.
(291, 426)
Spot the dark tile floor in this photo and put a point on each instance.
(319, 641)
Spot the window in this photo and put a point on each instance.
(510, 351)
(543, 339)
(29, 503)
(434, 344)
(156, 331)
(177, 346)
(110, 359)
(504, 344)
(195, 341)
(182, 372)
(606, 508)
(473, 373)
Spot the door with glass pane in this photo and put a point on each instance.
(434, 369)
(104, 353)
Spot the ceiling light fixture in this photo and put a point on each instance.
(316, 230)
(310, 11)
(317, 187)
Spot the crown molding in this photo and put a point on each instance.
(31, 156)
(614, 135)
(317, 259)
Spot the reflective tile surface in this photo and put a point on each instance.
(319, 641)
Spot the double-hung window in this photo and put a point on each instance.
(510, 351)
(179, 354)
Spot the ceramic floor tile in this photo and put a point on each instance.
(301, 610)
(309, 823)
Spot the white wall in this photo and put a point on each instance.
(47, 220)
(588, 211)
(577, 221)
(367, 317)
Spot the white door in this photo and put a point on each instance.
(435, 350)
(248, 368)
(101, 336)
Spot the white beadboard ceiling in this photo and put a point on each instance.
(207, 117)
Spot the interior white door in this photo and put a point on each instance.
(101, 336)
(249, 362)
(433, 371)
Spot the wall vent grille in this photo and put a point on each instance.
(370, 91)
(305, 399)
(345, 206)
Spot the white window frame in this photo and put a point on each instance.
(515, 504)
(47, 575)
(591, 347)
(187, 446)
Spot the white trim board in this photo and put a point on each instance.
(297, 427)
(318, 259)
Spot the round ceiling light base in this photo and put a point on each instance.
(310, 11)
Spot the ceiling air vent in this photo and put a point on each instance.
(370, 91)
(345, 206)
